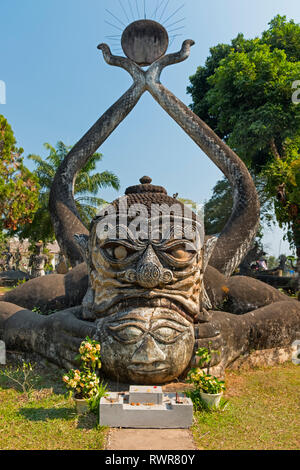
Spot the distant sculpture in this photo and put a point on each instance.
(37, 261)
(9, 259)
(61, 267)
(151, 299)
(17, 259)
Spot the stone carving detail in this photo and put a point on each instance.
(145, 300)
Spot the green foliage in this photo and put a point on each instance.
(218, 209)
(23, 376)
(3, 240)
(86, 188)
(283, 184)
(20, 282)
(94, 401)
(84, 382)
(244, 93)
(201, 380)
(272, 262)
(18, 186)
(200, 405)
(205, 382)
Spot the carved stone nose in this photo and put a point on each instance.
(150, 269)
(149, 275)
(148, 352)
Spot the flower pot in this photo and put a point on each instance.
(211, 399)
(82, 406)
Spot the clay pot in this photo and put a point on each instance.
(82, 406)
(211, 399)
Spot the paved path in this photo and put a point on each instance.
(150, 439)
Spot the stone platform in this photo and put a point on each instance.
(146, 407)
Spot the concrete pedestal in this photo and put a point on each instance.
(146, 407)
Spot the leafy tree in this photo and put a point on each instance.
(18, 186)
(244, 93)
(218, 209)
(86, 188)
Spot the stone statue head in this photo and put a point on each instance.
(145, 259)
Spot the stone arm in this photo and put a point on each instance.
(267, 329)
(55, 337)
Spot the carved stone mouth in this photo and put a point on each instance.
(148, 368)
(142, 302)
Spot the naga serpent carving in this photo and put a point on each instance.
(241, 228)
(144, 299)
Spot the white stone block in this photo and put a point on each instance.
(2, 353)
(118, 411)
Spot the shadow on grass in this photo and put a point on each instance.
(45, 414)
(87, 421)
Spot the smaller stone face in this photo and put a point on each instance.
(145, 345)
(144, 42)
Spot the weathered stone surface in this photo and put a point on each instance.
(246, 294)
(141, 352)
(144, 41)
(56, 337)
(51, 292)
(216, 286)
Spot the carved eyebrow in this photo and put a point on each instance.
(125, 325)
(168, 324)
(170, 318)
(128, 317)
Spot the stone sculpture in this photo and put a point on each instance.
(151, 301)
(37, 261)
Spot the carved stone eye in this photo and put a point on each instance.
(167, 334)
(127, 333)
(181, 254)
(120, 253)
(117, 252)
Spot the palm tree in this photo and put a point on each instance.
(86, 189)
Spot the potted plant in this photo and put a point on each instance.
(85, 384)
(209, 387)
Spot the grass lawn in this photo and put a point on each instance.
(47, 420)
(263, 412)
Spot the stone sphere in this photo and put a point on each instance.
(144, 42)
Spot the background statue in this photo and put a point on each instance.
(123, 293)
(37, 261)
(8, 259)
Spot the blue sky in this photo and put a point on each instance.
(58, 84)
